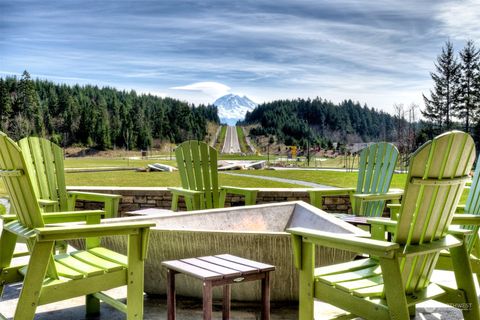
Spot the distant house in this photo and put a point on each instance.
(356, 147)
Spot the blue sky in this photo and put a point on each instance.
(374, 52)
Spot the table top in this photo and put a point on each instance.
(217, 267)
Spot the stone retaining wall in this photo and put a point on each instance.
(157, 197)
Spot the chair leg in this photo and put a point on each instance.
(222, 198)
(394, 289)
(316, 199)
(7, 243)
(251, 198)
(465, 282)
(31, 290)
(71, 200)
(92, 305)
(174, 202)
(306, 283)
(135, 278)
(109, 207)
(412, 311)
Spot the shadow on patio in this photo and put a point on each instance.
(188, 308)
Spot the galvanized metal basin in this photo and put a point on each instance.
(254, 232)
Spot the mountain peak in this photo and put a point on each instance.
(232, 107)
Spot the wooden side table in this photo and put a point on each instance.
(220, 270)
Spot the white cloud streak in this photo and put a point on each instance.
(213, 89)
(375, 52)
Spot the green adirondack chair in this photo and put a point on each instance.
(49, 278)
(44, 161)
(396, 277)
(468, 217)
(375, 170)
(197, 165)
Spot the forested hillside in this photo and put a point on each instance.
(96, 117)
(321, 122)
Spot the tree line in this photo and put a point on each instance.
(454, 100)
(321, 122)
(96, 117)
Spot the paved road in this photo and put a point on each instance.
(231, 144)
(291, 181)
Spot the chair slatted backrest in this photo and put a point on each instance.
(437, 174)
(197, 165)
(472, 206)
(44, 160)
(375, 170)
(23, 199)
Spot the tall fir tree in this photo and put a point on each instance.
(5, 105)
(469, 104)
(29, 104)
(444, 98)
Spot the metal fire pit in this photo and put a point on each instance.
(254, 232)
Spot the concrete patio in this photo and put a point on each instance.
(189, 309)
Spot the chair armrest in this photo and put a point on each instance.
(383, 222)
(459, 232)
(184, 192)
(466, 218)
(436, 246)
(238, 190)
(8, 217)
(394, 210)
(316, 194)
(46, 203)
(394, 205)
(332, 191)
(91, 216)
(346, 242)
(391, 195)
(379, 226)
(85, 231)
(93, 196)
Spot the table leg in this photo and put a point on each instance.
(171, 294)
(226, 302)
(207, 300)
(266, 297)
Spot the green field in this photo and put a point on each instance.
(332, 178)
(133, 178)
(159, 179)
(241, 140)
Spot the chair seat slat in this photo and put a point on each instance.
(94, 260)
(78, 265)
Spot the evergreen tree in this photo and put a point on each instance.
(29, 104)
(5, 105)
(444, 98)
(469, 104)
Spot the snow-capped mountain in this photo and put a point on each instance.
(232, 108)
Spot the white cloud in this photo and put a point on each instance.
(460, 19)
(213, 89)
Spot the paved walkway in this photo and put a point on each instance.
(191, 309)
(292, 181)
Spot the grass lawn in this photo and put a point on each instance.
(164, 179)
(159, 179)
(221, 138)
(332, 178)
(241, 139)
(92, 162)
